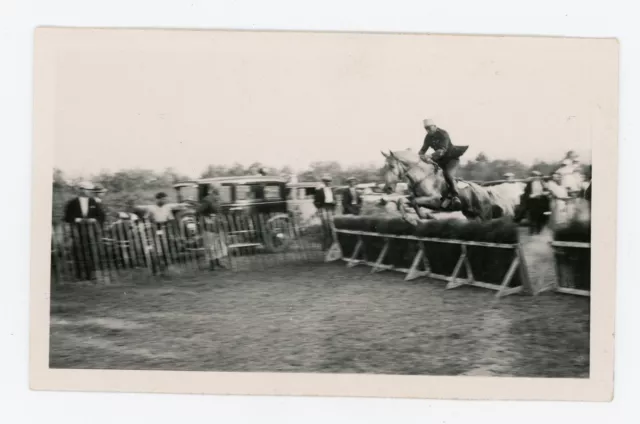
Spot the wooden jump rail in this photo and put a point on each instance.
(558, 246)
(518, 263)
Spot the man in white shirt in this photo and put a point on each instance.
(325, 203)
(161, 215)
(161, 212)
(571, 175)
(556, 188)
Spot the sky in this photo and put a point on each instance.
(187, 99)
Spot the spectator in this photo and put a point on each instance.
(161, 212)
(213, 241)
(509, 176)
(161, 215)
(569, 176)
(351, 199)
(556, 187)
(535, 202)
(85, 216)
(325, 195)
(559, 198)
(325, 203)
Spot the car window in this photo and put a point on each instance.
(188, 193)
(225, 194)
(244, 193)
(271, 192)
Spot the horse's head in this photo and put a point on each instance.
(393, 171)
(406, 165)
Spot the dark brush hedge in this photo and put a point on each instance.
(574, 267)
(488, 264)
(495, 231)
(579, 231)
(574, 264)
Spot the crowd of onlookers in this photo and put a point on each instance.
(87, 213)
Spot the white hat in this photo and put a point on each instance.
(428, 122)
(86, 185)
(326, 177)
(508, 174)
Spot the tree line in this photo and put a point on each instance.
(139, 186)
(481, 168)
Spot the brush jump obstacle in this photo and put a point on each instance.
(573, 264)
(458, 262)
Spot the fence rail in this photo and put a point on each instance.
(88, 251)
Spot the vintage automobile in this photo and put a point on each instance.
(254, 208)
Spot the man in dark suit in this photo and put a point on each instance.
(351, 199)
(325, 196)
(534, 202)
(85, 216)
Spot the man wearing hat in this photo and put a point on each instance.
(325, 195)
(535, 201)
(446, 155)
(509, 176)
(351, 199)
(83, 207)
(325, 203)
(83, 213)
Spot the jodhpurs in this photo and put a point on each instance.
(448, 168)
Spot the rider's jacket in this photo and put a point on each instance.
(444, 150)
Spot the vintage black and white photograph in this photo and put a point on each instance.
(324, 203)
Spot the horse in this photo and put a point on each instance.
(427, 184)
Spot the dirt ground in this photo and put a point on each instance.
(320, 318)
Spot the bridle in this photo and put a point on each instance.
(403, 171)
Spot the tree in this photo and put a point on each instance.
(482, 157)
(213, 171)
(318, 169)
(237, 170)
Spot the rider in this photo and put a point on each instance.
(445, 155)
